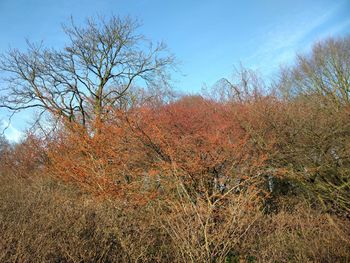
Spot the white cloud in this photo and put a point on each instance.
(335, 29)
(11, 133)
(280, 42)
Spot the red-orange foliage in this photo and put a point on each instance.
(24, 159)
(98, 162)
(193, 134)
(198, 139)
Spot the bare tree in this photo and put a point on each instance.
(324, 73)
(102, 61)
(243, 85)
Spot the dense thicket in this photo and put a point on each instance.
(243, 173)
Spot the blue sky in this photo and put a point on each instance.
(208, 37)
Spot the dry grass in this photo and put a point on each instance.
(303, 235)
(42, 220)
(45, 221)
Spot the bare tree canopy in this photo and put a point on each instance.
(101, 62)
(243, 85)
(325, 72)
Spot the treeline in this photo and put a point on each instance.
(247, 171)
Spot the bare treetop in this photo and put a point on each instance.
(101, 62)
(324, 73)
